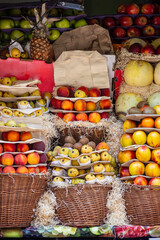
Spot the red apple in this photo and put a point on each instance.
(125, 21)
(122, 8)
(104, 115)
(140, 181)
(156, 20)
(109, 22)
(140, 21)
(135, 48)
(133, 9)
(148, 31)
(158, 50)
(55, 103)
(60, 115)
(71, 92)
(154, 181)
(133, 32)
(119, 32)
(105, 92)
(148, 49)
(93, 21)
(124, 172)
(148, 8)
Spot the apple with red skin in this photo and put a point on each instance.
(104, 115)
(119, 32)
(140, 20)
(122, 8)
(133, 32)
(148, 8)
(156, 20)
(135, 48)
(61, 115)
(109, 22)
(154, 181)
(55, 103)
(125, 21)
(148, 49)
(148, 31)
(93, 21)
(140, 181)
(71, 92)
(124, 172)
(133, 8)
(105, 92)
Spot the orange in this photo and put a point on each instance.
(148, 122)
(157, 122)
(129, 124)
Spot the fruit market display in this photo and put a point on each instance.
(80, 162)
(81, 104)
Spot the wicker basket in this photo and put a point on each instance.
(143, 205)
(19, 195)
(82, 205)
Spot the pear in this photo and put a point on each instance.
(40, 103)
(21, 125)
(77, 181)
(2, 104)
(47, 95)
(13, 79)
(11, 123)
(35, 93)
(1, 93)
(44, 109)
(7, 94)
(7, 112)
(10, 104)
(2, 123)
(18, 113)
(32, 104)
(6, 81)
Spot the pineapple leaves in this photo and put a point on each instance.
(36, 15)
(51, 20)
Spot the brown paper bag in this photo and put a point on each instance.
(81, 68)
(89, 38)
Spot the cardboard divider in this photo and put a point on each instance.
(17, 90)
(139, 117)
(30, 141)
(67, 111)
(126, 164)
(133, 177)
(25, 153)
(147, 130)
(134, 147)
(86, 99)
(14, 99)
(27, 165)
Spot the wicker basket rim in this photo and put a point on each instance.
(83, 186)
(140, 187)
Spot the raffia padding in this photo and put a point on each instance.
(19, 195)
(144, 92)
(82, 205)
(123, 57)
(142, 205)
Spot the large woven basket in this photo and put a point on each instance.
(143, 205)
(19, 195)
(82, 205)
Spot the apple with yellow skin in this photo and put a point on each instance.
(84, 160)
(13, 79)
(73, 172)
(44, 109)
(21, 125)
(105, 156)
(80, 94)
(35, 93)
(98, 167)
(154, 181)
(58, 179)
(40, 102)
(108, 167)
(6, 81)
(23, 104)
(38, 112)
(11, 123)
(57, 171)
(82, 171)
(143, 153)
(15, 53)
(2, 123)
(8, 95)
(73, 153)
(152, 170)
(18, 113)
(1, 93)
(65, 161)
(90, 177)
(86, 149)
(75, 163)
(157, 109)
(3, 104)
(75, 181)
(7, 112)
(64, 151)
(47, 95)
(95, 157)
(31, 104)
(100, 177)
(25, 94)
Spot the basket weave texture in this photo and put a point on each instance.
(82, 205)
(143, 205)
(19, 195)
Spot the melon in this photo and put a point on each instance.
(154, 99)
(157, 74)
(138, 73)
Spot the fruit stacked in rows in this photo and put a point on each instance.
(81, 161)
(69, 101)
(17, 155)
(140, 155)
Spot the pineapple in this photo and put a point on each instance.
(40, 46)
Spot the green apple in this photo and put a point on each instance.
(6, 23)
(15, 12)
(54, 34)
(24, 24)
(53, 12)
(16, 23)
(80, 23)
(72, 23)
(64, 23)
(6, 36)
(15, 34)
